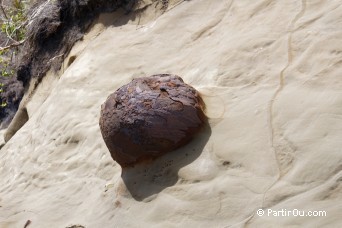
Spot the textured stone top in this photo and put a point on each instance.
(150, 116)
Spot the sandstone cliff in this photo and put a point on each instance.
(269, 74)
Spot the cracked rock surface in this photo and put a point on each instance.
(149, 117)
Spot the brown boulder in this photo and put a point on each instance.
(149, 117)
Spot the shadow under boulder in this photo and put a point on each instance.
(146, 180)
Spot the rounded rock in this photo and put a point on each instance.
(149, 117)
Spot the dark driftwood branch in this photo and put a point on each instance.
(3, 10)
(12, 45)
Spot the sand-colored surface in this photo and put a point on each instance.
(270, 74)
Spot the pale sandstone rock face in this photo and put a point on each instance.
(269, 73)
(149, 117)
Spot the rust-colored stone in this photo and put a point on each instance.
(149, 117)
